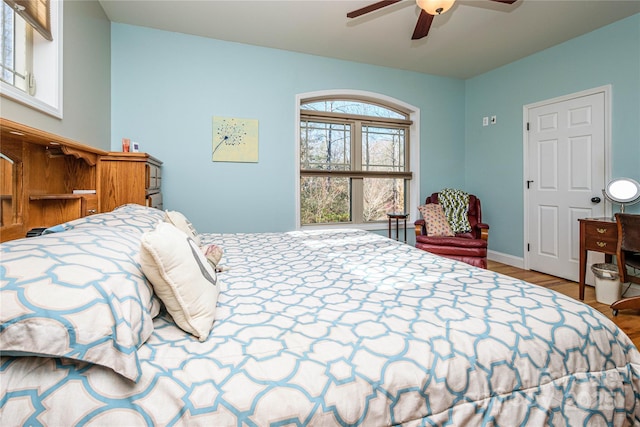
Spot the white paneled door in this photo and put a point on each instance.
(565, 177)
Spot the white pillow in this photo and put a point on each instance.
(183, 224)
(181, 277)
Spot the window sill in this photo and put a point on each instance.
(373, 226)
(19, 96)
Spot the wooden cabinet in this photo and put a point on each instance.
(46, 180)
(129, 178)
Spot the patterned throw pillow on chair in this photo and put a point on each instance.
(435, 220)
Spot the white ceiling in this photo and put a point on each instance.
(475, 36)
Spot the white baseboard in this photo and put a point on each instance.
(511, 260)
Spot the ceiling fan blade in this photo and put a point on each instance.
(505, 1)
(371, 8)
(423, 25)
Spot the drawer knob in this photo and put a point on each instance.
(91, 211)
(601, 230)
(601, 244)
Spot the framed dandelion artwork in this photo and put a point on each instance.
(235, 140)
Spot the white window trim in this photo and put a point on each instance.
(414, 156)
(53, 108)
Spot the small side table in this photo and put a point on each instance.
(598, 235)
(398, 216)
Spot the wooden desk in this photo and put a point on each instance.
(598, 235)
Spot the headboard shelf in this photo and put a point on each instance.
(65, 196)
(17, 131)
(39, 172)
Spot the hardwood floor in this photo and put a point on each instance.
(627, 320)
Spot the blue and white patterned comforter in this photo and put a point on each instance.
(351, 328)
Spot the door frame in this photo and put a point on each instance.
(525, 155)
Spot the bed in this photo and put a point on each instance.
(332, 327)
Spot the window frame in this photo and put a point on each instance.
(46, 56)
(412, 155)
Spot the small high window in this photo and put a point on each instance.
(30, 53)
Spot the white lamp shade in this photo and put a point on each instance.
(435, 7)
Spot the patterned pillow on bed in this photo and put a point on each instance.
(181, 277)
(79, 295)
(130, 217)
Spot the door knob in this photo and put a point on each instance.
(595, 199)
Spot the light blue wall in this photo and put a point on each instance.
(494, 154)
(166, 87)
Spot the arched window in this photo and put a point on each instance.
(354, 160)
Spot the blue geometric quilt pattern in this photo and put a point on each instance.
(351, 328)
(78, 294)
(129, 217)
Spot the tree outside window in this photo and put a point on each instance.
(353, 161)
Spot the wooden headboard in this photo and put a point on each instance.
(46, 179)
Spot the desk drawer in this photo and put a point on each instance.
(89, 204)
(601, 237)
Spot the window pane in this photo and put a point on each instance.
(325, 146)
(7, 43)
(324, 200)
(382, 196)
(353, 107)
(383, 149)
(14, 47)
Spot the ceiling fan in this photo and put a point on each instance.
(428, 10)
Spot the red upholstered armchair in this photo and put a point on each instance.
(470, 247)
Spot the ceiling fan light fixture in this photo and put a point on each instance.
(435, 7)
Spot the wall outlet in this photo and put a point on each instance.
(485, 121)
(494, 119)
